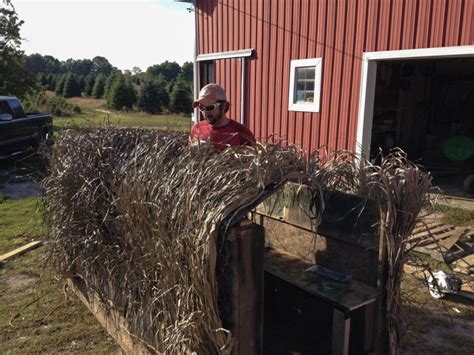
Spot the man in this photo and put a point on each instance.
(217, 128)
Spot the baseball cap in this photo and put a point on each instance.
(209, 95)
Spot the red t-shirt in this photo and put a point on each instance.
(232, 134)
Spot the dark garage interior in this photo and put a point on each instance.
(426, 107)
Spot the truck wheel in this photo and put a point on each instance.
(42, 139)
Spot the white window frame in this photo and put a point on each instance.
(317, 63)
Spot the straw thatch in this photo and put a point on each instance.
(136, 215)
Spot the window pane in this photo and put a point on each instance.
(300, 73)
(300, 96)
(304, 86)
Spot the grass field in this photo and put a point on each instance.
(94, 113)
(29, 292)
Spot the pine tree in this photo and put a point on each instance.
(42, 79)
(89, 85)
(109, 82)
(99, 85)
(181, 98)
(71, 86)
(61, 80)
(153, 96)
(51, 86)
(121, 94)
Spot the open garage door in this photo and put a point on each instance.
(423, 104)
(426, 107)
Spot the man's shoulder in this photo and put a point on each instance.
(200, 124)
(237, 125)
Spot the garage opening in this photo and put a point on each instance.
(426, 107)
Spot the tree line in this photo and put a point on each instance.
(165, 87)
(162, 87)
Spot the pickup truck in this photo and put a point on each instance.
(21, 131)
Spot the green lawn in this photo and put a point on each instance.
(132, 119)
(29, 292)
(95, 112)
(455, 215)
(19, 223)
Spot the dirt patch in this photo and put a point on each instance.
(17, 283)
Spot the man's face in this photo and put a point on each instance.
(213, 116)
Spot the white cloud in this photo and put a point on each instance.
(128, 34)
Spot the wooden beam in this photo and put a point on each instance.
(20, 251)
(113, 322)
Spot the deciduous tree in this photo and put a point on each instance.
(169, 70)
(14, 78)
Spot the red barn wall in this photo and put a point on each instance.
(339, 32)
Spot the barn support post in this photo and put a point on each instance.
(245, 245)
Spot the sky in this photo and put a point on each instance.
(129, 33)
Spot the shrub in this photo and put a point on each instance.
(38, 101)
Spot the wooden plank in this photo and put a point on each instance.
(113, 322)
(465, 265)
(424, 227)
(343, 296)
(341, 326)
(246, 245)
(449, 242)
(432, 232)
(20, 251)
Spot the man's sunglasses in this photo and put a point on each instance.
(209, 108)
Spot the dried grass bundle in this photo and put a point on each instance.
(400, 189)
(136, 215)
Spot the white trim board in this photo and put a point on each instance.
(225, 55)
(367, 84)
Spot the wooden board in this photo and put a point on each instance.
(446, 243)
(343, 296)
(20, 251)
(113, 322)
(349, 218)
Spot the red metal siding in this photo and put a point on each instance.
(339, 32)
